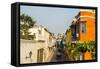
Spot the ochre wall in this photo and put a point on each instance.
(68, 37)
(89, 35)
(87, 13)
(87, 56)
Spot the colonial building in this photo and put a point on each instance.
(82, 30)
(83, 26)
(40, 49)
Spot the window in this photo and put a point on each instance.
(40, 55)
(83, 27)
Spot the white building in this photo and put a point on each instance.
(38, 31)
(38, 50)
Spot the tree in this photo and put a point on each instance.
(27, 23)
(87, 46)
(80, 49)
(27, 20)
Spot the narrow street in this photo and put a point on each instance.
(58, 53)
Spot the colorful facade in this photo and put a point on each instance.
(82, 30)
(83, 26)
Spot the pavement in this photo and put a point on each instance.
(59, 55)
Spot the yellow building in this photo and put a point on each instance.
(68, 43)
(68, 37)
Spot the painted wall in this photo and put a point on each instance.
(89, 17)
(26, 46)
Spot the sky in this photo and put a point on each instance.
(56, 20)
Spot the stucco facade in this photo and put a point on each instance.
(41, 48)
(83, 27)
